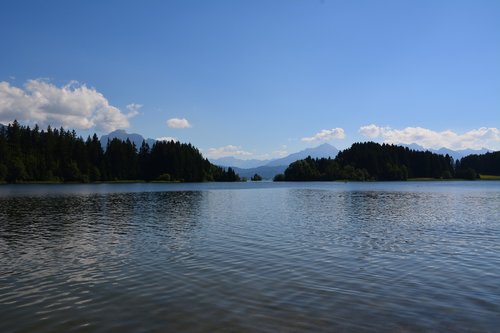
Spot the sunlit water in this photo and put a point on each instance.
(250, 257)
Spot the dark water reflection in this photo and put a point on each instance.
(244, 258)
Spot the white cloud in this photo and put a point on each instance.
(166, 138)
(73, 105)
(474, 139)
(282, 152)
(225, 151)
(133, 109)
(371, 131)
(326, 135)
(178, 123)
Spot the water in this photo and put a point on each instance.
(250, 257)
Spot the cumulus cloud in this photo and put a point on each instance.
(326, 135)
(225, 151)
(166, 138)
(73, 105)
(371, 131)
(178, 123)
(474, 139)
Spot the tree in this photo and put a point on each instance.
(486, 164)
(279, 178)
(256, 178)
(229, 175)
(3, 172)
(16, 171)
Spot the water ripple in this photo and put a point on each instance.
(317, 257)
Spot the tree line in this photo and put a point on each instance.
(59, 155)
(373, 161)
(486, 164)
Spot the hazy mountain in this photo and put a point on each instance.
(266, 172)
(414, 146)
(270, 168)
(325, 150)
(456, 154)
(123, 135)
(235, 162)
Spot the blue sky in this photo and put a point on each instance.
(257, 79)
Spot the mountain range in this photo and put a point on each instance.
(324, 150)
(237, 163)
(269, 168)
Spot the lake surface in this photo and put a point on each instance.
(250, 257)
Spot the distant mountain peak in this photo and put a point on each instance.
(324, 150)
(231, 161)
(122, 134)
(122, 131)
(455, 154)
(323, 145)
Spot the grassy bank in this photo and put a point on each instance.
(489, 177)
(432, 179)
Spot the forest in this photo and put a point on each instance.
(373, 161)
(59, 155)
(485, 164)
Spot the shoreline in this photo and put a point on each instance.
(43, 182)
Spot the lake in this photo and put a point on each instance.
(250, 257)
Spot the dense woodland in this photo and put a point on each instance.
(486, 164)
(58, 155)
(373, 161)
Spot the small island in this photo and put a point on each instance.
(256, 178)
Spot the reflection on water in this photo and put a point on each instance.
(287, 257)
